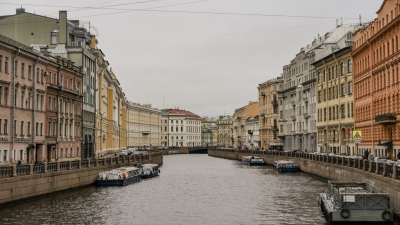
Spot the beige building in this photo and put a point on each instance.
(225, 131)
(164, 128)
(144, 125)
(239, 123)
(269, 116)
(335, 102)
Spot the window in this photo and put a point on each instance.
(21, 154)
(274, 87)
(15, 127)
(22, 98)
(343, 109)
(172, 129)
(41, 102)
(343, 89)
(1, 92)
(48, 129)
(325, 114)
(37, 129)
(29, 72)
(53, 38)
(324, 76)
(319, 78)
(333, 92)
(181, 129)
(22, 70)
(5, 155)
(41, 76)
(0, 126)
(22, 127)
(6, 65)
(325, 95)
(29, 128)
(350, 84)
(350, 66)
(1, 60)
(37, 76)
(342, 69)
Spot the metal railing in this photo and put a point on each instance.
(6, 172)
(51, 167)
(385, 117)
(74, 164)
(380, 168)
(84, 163)
(389, 170)
(340, 159)
(351, 162)
(367, 165)
(27, 169)
(64, 165)
(346, 161)
(373, 167)
(39, 168)
(23, 170)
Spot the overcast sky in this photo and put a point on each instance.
(209, 64)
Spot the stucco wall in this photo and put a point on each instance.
(331, 172)
(21, 187)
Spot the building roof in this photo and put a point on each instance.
(183, 112)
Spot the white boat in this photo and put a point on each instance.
(118, 177)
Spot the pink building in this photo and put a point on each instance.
(22, 106)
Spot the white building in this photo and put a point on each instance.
(252, 132)
(184, 128)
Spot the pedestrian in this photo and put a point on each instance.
(366, 153)
(398, 155)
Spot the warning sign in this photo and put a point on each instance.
(357, 135)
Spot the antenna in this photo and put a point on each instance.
(360, 19)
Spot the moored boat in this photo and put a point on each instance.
(118, 177)
(149, 170)
(286, 166)
(351, 201)
(253, 160)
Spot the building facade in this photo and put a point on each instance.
(252, 132)
(298, 102)
(269, 113)
(335, 120)
(377, 81)
(164, 128)
(144, 126)
(225, 131)
(67, 39)
(22, 103)
(239, 125)
(206, 137)
(63, 109)
(184, 128)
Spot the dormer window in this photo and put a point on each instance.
(53, 38)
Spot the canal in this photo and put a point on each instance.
(192, 189)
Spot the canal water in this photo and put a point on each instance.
(192, 189)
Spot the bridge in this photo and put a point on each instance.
(200, 149)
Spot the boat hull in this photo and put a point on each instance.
(106, 183)
(287, 169)
(146, 176)
(254, 163)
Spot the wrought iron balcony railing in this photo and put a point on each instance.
(385, 118)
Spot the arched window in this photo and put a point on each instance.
(342, 69)
(350, 66)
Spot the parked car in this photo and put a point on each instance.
(123, 152)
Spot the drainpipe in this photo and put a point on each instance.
(14, 103)
(76, 99)
(60, 82)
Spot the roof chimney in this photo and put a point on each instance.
(62, 35)
(20, 11)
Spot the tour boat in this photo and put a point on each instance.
(149, 170)
(351, 201)
(253, 160)
(286, 166)
(118, 177)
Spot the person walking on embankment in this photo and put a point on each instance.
(366, 153)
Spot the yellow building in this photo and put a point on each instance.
(269, 117)
(335, 102)
(144, 125)
(225, 131)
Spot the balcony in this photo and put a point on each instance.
(274, 127)
(282, 120)
(262, 115)
(293, 118)
(305, 99)
(385, 118)
(305, 131)
(263, 94)
(250, 132)
(146, 132)
(274, 102)
(306, 115)
(293, 102)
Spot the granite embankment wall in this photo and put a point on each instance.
(173, 151)
(53, 177)
(331, 169)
